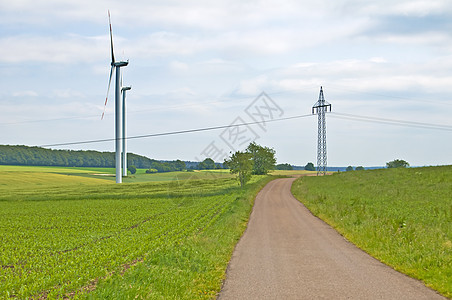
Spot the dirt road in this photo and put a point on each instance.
(287, 253)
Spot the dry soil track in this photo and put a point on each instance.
(287, 253)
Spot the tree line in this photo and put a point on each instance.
(37, 156)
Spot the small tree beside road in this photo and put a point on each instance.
(241, 163)
(263, 158)
(255, 160)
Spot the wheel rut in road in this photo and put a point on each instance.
(287, 253)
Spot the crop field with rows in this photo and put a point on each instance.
(81, 239)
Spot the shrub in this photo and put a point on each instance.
(132, 169)
(397, 163)
(309, 167)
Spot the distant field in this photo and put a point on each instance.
(20, 176)
(66, 233)
(141, 176)
(403, 217)
(24, 177)
(291, 172)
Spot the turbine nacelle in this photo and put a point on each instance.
(119, 63)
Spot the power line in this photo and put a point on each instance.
(391, 121)
(177, 132)
(388, 97)
(332, 114)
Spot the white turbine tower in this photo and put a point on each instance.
(116, 65)
(124, 144)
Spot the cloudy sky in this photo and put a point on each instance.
(199, 64)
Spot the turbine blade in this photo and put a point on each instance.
(108, 90)
(111, 39)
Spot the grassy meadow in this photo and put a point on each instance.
(72, 233)
(403, 217)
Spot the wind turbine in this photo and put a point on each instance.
(124, 148)
(116, 65)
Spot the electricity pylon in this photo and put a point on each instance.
(319, 108)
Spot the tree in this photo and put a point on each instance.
(309, 167)
(349, 168)
(225, 164)
(263, 158)
(283, 167)
(132, 169)
(241, 163)
(397, 163)
(207, 164)
(168, 166)
(179, 165)
(360, 168)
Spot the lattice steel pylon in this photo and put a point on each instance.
(320, 108)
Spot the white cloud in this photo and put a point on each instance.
(253, 86)
(436, 39)
(67, 50)
(178, 66)
(25, 94)
(419, 7)
(68, 93)
(378, 60)
(389, 7)
(177, 28)
(374, 75)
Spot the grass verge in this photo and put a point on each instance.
(403, 217)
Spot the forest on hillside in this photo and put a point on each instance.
(37, 156)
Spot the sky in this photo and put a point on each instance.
(385, 66)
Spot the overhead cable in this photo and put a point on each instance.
(387, 121)
(177, 132)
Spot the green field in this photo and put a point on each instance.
(402, 217)
(20, 177)
(67, 232)
(292, 172)
(141, 176)
(71, 232)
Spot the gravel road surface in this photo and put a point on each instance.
(287, 253)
